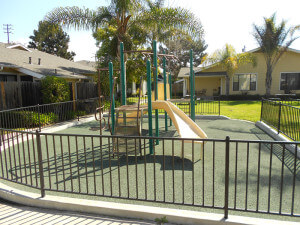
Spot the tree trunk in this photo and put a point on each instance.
(268, 83)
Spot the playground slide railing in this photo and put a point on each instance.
(284, 118)
(233, 175)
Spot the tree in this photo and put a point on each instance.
(180, 47)
(229, 60)
(52, 39)
(55, 89)
(273, 40)
(127, 20)
(130, 22)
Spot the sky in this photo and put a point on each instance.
(229, 21)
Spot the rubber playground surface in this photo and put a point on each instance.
(86, 165)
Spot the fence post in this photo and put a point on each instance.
(261, 109)
(219, 106)
(227, 141)
(39, 115)
(3, 95)
(74, 95)
(77, 111)
(40, 160)
(279, 116)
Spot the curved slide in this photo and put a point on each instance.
(185, 126)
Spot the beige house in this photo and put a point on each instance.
(18, 63)
(211, 80)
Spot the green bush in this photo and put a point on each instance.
(26, 119)
(55, 89)
(72, 115)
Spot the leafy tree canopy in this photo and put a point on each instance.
(229, 60)
(180, 47)
(55, 89)
(136, 23)
(52, 39)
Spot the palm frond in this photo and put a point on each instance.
(78, 18)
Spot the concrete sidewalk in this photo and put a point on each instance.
(15, 214)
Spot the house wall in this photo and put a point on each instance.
(160, 92)
(211, 85)
(289, 62)
(10, 71)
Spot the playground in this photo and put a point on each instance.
(163, 157)
(176, 173)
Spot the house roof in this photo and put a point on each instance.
(87, 63)
(288, 49)
(185, 71)
(17, 57)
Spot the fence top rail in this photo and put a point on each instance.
(160, 138)
(280, 102)
(43, 105)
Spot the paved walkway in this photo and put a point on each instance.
(19, 214)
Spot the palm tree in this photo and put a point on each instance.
(229, 60)
(123, 19)
(273, 40)
(117, 13)
(165, 22)
(124, 15)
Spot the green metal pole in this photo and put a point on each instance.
(170, 87)
(165, 91)
(111, 78)
(155, 88)
(192, 91)
(123, 80)
(149, 106)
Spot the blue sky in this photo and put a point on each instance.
(229, 21)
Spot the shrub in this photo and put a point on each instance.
(72, 114)
(55, 89)
(26, 119)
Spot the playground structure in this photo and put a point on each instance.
(243, 172)
(127, 120)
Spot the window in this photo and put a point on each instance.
(290, 81)
(244, 82)
(7, 78)
(26, 78)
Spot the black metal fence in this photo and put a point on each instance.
(287, 101)
(23, 94)
(284, 118)
(40, 116)
(203, 106)
(248, 176)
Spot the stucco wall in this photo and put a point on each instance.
(210, 84)
(160, 92)
(289, 62)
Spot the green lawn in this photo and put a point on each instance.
(242, 110)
